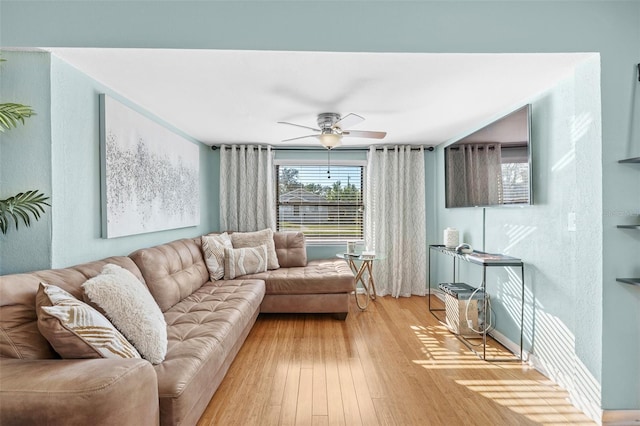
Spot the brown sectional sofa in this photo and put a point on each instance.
(207, 323)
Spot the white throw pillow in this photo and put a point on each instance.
(131, 308)
(243, 261)
(213, 249)
(256, 239)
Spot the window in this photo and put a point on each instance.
(515, 175)
(325, 206)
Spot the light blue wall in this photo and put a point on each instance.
(76, 175)
(57, 151)
(611, 28)
(25, 154)
(563, 291)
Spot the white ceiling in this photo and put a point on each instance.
(226, 96)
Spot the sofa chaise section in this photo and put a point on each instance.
(322, 286)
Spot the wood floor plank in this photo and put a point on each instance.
(392, 364)
(319, 396)
(349, 397)
(304, 407)
(335, 405)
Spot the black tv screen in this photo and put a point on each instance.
(491, 166)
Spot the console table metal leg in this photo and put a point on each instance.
(485, 329)
(521, 312)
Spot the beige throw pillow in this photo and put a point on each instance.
(243, 261)
(129, 305)
(75, 329)
(213, 249)
(255, 239)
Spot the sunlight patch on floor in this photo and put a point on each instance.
(537, 400)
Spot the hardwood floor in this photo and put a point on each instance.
(393, 364)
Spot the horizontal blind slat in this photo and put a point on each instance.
(325, 206)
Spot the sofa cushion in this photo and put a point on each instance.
(213, 250)
(255, 239)
(172, 271)
(131, 308)
(291, 249)
(75, 329)
(19, 334)
(73, 392)
(319, 276)
(203, 329)
(243, 261)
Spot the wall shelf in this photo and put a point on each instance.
(630, 160)
(632, 281)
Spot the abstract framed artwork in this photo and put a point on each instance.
(149, 174)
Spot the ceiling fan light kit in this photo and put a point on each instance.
(330, 140)
(332, 128)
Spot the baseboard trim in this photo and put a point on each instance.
(514, 348)
(621, 417)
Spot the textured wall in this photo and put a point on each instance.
(563, 268)
(76, 175)
(25, 158)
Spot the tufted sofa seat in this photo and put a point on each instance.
(205, 332)
(207, 322)
(322, 286)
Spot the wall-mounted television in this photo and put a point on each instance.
(491, 166)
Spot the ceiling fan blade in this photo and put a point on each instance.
(298, 125)
(348, 121)
(364, 134)
(299, 137)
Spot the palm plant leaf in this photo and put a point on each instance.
(20, 208)
(11, 114)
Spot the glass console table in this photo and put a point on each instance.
(485, 260)
(368, 291)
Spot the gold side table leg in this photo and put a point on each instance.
(359, 278)
(371, 280)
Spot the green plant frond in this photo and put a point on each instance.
(21, 208)
(11, 114)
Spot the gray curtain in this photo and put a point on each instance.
(247, 188)
(474, 173)
(395, 220)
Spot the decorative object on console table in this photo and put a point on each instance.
(451, 238)
(150, 175)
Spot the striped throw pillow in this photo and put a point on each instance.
(75, 329)
(213, 249)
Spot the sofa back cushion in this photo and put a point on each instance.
(19, 334)
(290, 248)
(172, 271)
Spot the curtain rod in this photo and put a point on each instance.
(426, 148)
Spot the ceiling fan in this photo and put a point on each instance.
(332, 128)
